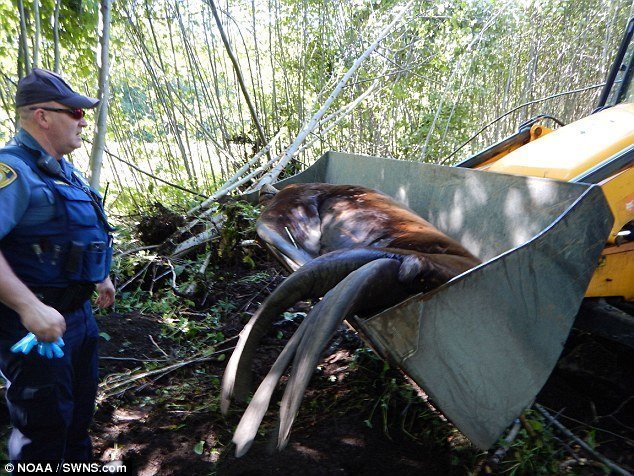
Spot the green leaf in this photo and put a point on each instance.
(289, 316)
(105, 336)
(536, 425)
(198, 447)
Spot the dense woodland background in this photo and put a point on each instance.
(204, 98)
(190, 108)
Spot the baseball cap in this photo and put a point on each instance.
(41, 85)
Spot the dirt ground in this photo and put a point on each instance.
(353, 421)
(331, 435)
(356, 418)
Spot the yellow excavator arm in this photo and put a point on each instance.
(569, 153)
(577, 148)
(596, 149)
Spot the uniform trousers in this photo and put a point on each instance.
(51, 402)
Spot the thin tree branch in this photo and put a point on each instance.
(290, 151)
(236, 67)
(486, 126)
(609, 463)
(138, 169)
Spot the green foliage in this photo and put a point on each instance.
(201, 328)
(194, 330)
(78, 23)
(146, 302)
(535, 450)
(198, 447)
(238, 226)
(532, 456)
(399, 407)
(448, 69)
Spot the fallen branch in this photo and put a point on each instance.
(134, 278)
(193, 286)
(204, 237)
(235, 181)
(609, 463)
(500, 453)
(119, 383)
(158, 346)
(335, 118)
(310, 126)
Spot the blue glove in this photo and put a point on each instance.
(48, 349)
(45, 349)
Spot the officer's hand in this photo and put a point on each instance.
(45, 322)
(106, 292)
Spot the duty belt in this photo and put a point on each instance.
(65, 299)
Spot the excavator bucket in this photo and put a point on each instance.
(483, 345)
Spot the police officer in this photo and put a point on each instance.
(55, 249)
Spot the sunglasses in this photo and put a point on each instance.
(75, 113)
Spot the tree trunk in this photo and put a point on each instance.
(56, 35)
(36, 41)
(99, 139)
(24, 44)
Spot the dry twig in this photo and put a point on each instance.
(609, 463)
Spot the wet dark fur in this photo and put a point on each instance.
(322, 217)
(353, 247)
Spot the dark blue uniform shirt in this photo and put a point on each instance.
(25, 199)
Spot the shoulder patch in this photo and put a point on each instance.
(7, 175)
